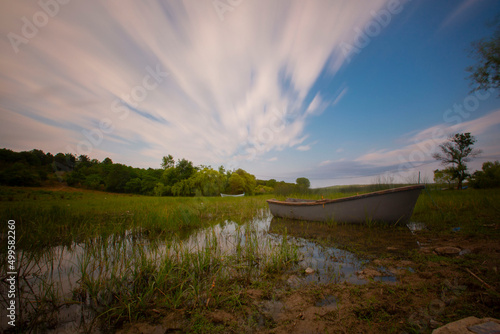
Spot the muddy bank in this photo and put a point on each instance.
(431, 287)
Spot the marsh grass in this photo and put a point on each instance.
(473, 212)
(335, 191)
(49, 218)
(123, 279)
(120, 257)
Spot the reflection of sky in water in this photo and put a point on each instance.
(329, 264)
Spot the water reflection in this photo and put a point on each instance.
(325, 248)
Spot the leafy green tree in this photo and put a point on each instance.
(486, 73)
(83, 161)
(224, 179)
(93, 181)
(271, 183)
(303, 183)
(183, 188)
(488, 177)
(30, 158)
(207, 182)
(444, 176)
(167, 162)
(75, 178)
(64, 162)
(161, 190)
(148, 183)
(249, 181)
(457, 151)
(19, 174)
(107, 161)
(40, 156)
(185, 169)
(117, 178)
(236, 184)
(133, 185)
(261, 189)
(8, 156)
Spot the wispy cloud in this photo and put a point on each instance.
(413, 155)
(458, 14)
(304, 147)
(231, 84)
(420, 146)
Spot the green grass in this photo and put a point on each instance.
(474, 211)
(49, 218)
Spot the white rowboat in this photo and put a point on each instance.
(390, 206)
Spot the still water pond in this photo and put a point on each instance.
(321, 253)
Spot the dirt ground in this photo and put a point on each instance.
(448, 278)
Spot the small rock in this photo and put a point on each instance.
(368, 273)
(466, 324)
(464, 252)
(447, 251)
(309, 270)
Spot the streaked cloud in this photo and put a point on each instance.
(324, 163)
(458, 14)
(303, 148)
(413, 155)
(420, 147)
(223, 89)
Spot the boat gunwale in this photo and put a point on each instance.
(349, 198)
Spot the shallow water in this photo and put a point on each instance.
(322, 248)
(325, 248)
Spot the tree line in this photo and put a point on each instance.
(174, 178)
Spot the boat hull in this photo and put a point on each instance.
(390, 206)
(227, 195)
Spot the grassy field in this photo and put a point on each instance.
(49, 217)
(133, 268)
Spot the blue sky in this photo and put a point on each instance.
(337, 91)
